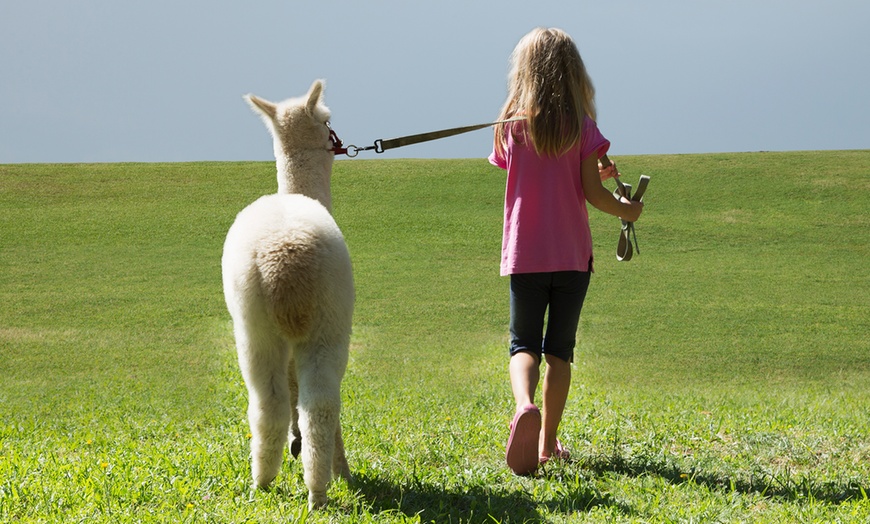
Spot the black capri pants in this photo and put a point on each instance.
(532, 294)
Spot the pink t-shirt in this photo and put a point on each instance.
(546, 224)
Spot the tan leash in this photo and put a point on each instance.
(381, 145)
(624, 250)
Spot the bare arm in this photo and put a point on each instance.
(601, 198)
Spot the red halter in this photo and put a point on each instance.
(337, 147)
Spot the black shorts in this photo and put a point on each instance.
(563, 292)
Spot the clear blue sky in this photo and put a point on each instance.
(160, 80)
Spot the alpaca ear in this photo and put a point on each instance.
(314, 95)
(264, 107)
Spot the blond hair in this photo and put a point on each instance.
(548, 84)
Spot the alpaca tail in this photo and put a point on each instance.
(289, 275)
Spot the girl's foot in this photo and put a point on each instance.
(559, 452)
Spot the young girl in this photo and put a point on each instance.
(551, 157)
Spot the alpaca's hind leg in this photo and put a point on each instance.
(264, 368)
(294, 435)
(319, 406)
(339, 460)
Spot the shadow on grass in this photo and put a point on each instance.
(472, 504)
(785, 487)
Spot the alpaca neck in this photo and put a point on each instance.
(306, 173)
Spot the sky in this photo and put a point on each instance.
(162, 80)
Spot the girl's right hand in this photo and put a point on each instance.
(607, 172)
(632, 211)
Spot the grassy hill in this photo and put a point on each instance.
(723, 374)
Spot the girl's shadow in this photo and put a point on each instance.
(767, 485)
(435, 503)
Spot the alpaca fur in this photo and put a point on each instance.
(288, 285)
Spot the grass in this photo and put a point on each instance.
(723, 375)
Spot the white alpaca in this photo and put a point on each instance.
(289, 289)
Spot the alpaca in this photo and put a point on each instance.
(289, 288)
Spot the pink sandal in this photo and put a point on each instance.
(559, 453)
(522, 445)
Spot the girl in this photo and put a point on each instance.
(551, 157)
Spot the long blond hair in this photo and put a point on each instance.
(548, 84)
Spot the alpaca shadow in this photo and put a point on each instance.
(433, 503)
(766, 485)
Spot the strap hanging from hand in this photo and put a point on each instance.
(624, 249)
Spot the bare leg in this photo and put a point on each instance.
(557, 382)
(525, 374)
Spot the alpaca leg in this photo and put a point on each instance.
(264, 368)
(295, 436)
(319, 406)
(339, 460)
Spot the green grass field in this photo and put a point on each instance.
(723, 375)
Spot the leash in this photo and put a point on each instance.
(624, 249)
(381, 145)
